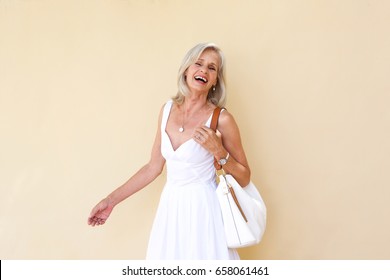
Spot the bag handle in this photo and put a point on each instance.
(219, 169)
(213, 126)
(215, 118)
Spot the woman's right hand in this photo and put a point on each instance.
(100, 213)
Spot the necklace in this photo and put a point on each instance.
(181, 128)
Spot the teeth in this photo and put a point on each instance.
(201, 78)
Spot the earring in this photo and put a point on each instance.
(213, 88)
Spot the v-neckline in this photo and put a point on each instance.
(178, 147)
(169, 138)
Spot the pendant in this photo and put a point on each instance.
(181, 129)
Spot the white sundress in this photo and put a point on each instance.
(188, 223)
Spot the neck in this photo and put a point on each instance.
(194, 103)
(192, 106)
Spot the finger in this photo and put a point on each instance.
(96, 222)
(94, 211)
(198, 133)
(91, 220)
(207, 129)
(203, 129)
(198, 137)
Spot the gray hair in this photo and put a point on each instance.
(217, 96)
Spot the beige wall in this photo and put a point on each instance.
(81, 84)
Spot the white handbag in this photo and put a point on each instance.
(243, 211)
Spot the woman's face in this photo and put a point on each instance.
(203, 73)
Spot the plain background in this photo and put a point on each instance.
(82, 82)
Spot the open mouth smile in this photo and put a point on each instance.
(200, 78)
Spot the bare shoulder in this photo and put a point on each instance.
(227, 123)
(165, 105)
(161, 112)
(160, 115)
(231, 137)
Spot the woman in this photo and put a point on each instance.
(188, 223)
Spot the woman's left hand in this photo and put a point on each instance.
(210, 140)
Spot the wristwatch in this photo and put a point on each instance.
(223, 161)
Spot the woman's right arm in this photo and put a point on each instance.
(138, 181)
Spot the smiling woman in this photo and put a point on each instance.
(195, 56)
(188, 222)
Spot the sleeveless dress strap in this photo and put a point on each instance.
(166, 112)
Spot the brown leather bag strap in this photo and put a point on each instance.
(215, 118)
(213, 126)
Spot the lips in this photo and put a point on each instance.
(200, 78)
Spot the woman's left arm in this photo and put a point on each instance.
(226, 140)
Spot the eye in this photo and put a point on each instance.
(212, 68)
(198, 63)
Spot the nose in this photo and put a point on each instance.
(204, 69)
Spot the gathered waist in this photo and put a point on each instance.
(191, 183)
(179, 173)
